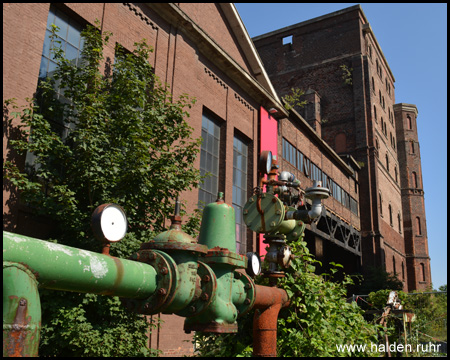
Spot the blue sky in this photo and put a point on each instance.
(413, 38)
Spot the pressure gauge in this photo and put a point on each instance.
(109, 223)
(254, 264)
(265, 162)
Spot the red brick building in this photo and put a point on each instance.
(343, 136)
(337, 60)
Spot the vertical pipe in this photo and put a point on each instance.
(268, 303)
(21, 311)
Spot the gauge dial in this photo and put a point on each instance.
(254, 264)
(109, 223)
(265, 162)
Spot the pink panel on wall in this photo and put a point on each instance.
(268, 141)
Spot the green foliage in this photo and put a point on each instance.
(128, 143)
(317, 320)
(293, 99)
(91, 325)
(319, 317)
(347, 75)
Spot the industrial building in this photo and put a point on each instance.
(351, 135)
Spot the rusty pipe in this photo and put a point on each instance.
(268, 303)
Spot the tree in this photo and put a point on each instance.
(129, 143)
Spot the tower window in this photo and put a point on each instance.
(287, 40)
(390, 215)
(414, 179)
(418, 226)
(409, 122)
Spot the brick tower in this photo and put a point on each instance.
(413, 202)
(337, 61)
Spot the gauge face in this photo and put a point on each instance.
(265, 162)
(109, 223)
(254, 264)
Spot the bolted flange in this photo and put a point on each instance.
(167, 276)
(208, 286)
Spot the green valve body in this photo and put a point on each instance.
(234, 291)
(218, 226)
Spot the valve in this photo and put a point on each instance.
(276, 213)
(198, 279)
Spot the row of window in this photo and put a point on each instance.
(422, 270)
(209, 164)
(312, 171)
(380, 71)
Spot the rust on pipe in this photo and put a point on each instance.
(268, 303)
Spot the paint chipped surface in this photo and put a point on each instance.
(57, 247)
(99, 268)
(17, 239)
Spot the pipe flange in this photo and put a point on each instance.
(166, 277)
(317, 192)
(250, 295)
(208, 285)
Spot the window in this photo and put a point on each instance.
(412, 146)
(414, 179)
(316, 173)
(69, 35)
(399, 219)
(396, 174)
(71, 42)
(307, 167)
(375, 113)
(390, 215)
(299, 160)
(403, 271)
(422, 270)
(353, 206)
(387, 162)
(240, 159)
(209, 161)
(289, 152)
(409, 122)
(287, 40)
(380, 200)
(393, 265)
(418, 226)
(373, 84)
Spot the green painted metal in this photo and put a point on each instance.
(61, 267)
(264, 213)
(218, 226)
(21, 311)
(230, 297)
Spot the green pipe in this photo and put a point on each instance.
(61, 267)
(21, 311)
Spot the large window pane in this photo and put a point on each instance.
(240, 191)
(209, 160)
